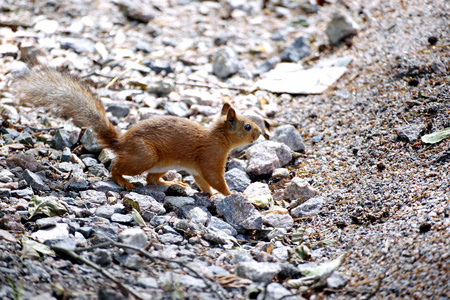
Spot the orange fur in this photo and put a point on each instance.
(154, 145)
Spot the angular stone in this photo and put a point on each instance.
(58, 232)
(34, 180)
(267, 156)
(309, 208)
(134, 237)
(340, 27)
(179, 201)
(259, 194)
(237, 180)
(221, 225)
(299, 49)
(287, 134)
(298, 191)
(90, 141)
(257, 271)
(238, 212)
(225, 62)
(278, 220)
(61, 139)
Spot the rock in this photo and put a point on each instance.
(161, 88)
(26, 139)
(288, 135)
(18, 68)
(178, 109)
(136, 10)
(225, 63)
(179, 201)
(93, 197)
(340, 27)
(257, 271)
(217, 236)
(47, 26)
(198, 215)
(106, 156)
(217, 223)
(276, 291)
(410, 133)
(6, 175)
(266, 65)
(25, 161)
(24, 193)
(121, 218)
(147, 282)
(119, 109)
(237, 180)
(267, 156)
(86, 231)
(235, 163)
(135, 237)
(90, 142)
(309, 208)
(276, 232)
(34, 180)
(105, 186)
(66, 155)
(298, 191)
(104, 211)
(278, 220)
(59, 232)
(133, 262)
(280, 173)
(11, 223)
(171, 238)
(78, 45)
(46, 223)
(281, 253)
(239, 212)
(89, 161)
(336, 281)
(299, 49)
(98, 170)
(259, 194)
(76, 183)
(61, 139)
(148, 205)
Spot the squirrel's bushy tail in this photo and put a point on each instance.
(47, 87)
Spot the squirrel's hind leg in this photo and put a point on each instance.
(121, 181)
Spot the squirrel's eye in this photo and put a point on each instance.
(247, 127)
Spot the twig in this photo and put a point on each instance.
(126, 289)
(212, 86)
(121, 74)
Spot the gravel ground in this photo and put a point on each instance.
(387, 193)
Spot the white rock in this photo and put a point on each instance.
(267, 156)
(59, 232)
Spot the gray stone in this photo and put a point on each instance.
(266, 65)
(105, 186)
(237, 256)
(237, 180)
(147, 282)
(34, 180)
(121, 218)
(98, 170)
(133, 262)
(257, 271)
(106, 156)
(276, 232)
(198, 215)
(158, 221)
(171, 238)
(6, 175)
(179, 201)
(119, 109)
(161, 88)
(178, 109)
(86, 231)
(217, 236)
(267, 156)
(137, 10)
(103, 257)
(58, 232)
(78, 45)
(288, 135)
(276, 291)
(26, 139)
(66, 155)
(225, 63)
(61, 139)
(309, 208)
(76, 183)
(23, 193)
(239, 212)
(134, 237)
(67, 167)
(410, 133)
(90, 142)
(336, 281)
(278, 220)
(146, 203)
(46, 223)
(259, 194)
(340, 27)
(299, 49)
(215, 222)
(93, 197)
(281, 253)
(235, 163)
(104, 211)
(89, 161)
(298, 191)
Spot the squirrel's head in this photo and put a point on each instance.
(239, 130)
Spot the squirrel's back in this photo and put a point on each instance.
(65, 93)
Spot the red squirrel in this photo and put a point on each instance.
(155, 145)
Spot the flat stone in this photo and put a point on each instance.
(267, 156)
(257, 271)
(58, 232)
(237, 180)
(308, 208)
(238, 212)
(288, 135)
(278, 220)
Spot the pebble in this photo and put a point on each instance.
(66, 154)
(308, 208)
(93, 197)
(89, 161)
(137, 10)
(47, 26)
(299, 49)
(266, 66)
(105, 186)
(58, 232)
(61, 140)
(276, 291)
(78, 45)
(121, 218)
(340, 27)
(179, 201)
(46, 223)
(135, 237)
(288, 135)
(104, 211)
(267, 156)
(6, 175)
(90, 141)
(298, 191)
(178, 109)
(170, 238)
(237, 180)
(146, 203)
(276, 232)
(336, 281)
(259, 194)
(34, 180)
(217, 223)
(98, 170)
(225, 62)
(238, 212)
(257, 271)
(161, 87)
(198, 215)
(278, 220)
(147, 282)
(410, 133)
(119, 109)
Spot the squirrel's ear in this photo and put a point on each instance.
(226, 106)
(231, 118)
